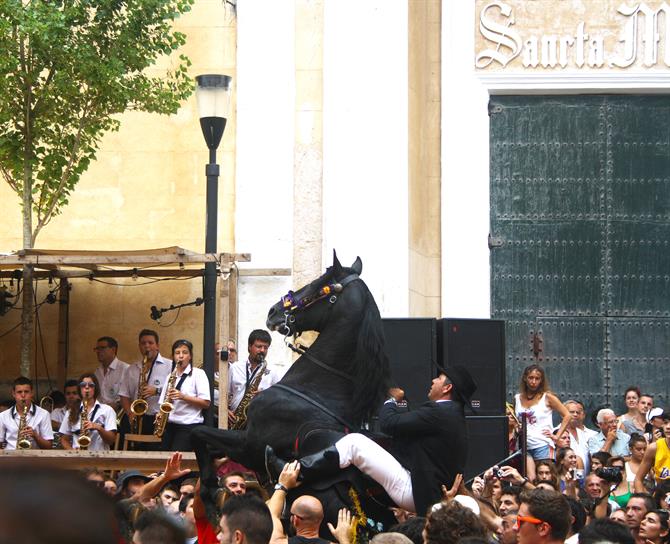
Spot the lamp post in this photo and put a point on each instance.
(213, 97)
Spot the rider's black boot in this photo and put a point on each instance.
(318, 465)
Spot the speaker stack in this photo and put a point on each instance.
(416, 346)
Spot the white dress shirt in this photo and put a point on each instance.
(237, 381)
(194, 384)
(37, 418)
(98, 413)
(110, 381)
(157, 377)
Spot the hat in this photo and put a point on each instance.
(464, 385)
(123, 478)
(657, 412)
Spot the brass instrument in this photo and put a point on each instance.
(166, 406)
(23, 443)
(240, 416)
(139, 406)
(84, 439)
(47, 403)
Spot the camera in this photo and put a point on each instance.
(224, 355)
(612, 475)
(498, 473)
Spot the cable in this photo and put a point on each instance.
(136, 284)
(173, 321)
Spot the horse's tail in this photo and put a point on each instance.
(371, 364)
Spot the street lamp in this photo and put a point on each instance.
(213, 96)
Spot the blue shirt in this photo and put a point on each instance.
(619, 447)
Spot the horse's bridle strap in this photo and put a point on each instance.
(316, 403)
(329, 368)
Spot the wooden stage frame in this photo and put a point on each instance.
(145, 461)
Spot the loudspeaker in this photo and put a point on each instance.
(478, 345)
(411, 349)
(487, 443)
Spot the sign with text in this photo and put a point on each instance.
(555, 35)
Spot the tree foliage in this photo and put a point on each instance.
(67, 68)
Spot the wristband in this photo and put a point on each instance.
(281, 487)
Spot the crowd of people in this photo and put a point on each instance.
(576, 484)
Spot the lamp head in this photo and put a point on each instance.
(213, 96)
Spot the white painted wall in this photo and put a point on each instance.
(265, 132)
(264, 176)
(365, 144)
(465, 169)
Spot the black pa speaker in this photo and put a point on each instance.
(478, 345)
(487, 443)
(411, 349)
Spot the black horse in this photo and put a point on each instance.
(332, 388)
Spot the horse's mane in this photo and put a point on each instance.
(370, 367)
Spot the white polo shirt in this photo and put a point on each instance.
(98, 413)
(237, 381)
(37, 418)
(110, 382)
(194, 384)
(157, 377)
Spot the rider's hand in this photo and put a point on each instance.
(397, 393)
(448, 494)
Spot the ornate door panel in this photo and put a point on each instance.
(580, 233)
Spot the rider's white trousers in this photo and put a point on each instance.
(374, 461)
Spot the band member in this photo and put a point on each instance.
(71, 391)
(25, 425)
(243, 376)
(152, 370)
(184, 397)
(111, 372)
(99, 420)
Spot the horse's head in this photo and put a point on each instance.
(313, 306)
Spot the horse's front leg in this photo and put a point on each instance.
(209, 444)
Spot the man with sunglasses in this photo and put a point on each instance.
(543, 518)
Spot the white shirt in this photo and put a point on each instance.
(580, 445)
(37, 418)
(237, 381)
(194, 384)
(98, 413)
(157, 377)
(58, 414)
(110, 382)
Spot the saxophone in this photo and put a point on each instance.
(166, 406)
(84, 439)
(240, 417)
(139, 406)
(23, 443)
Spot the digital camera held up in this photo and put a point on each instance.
(612, 475)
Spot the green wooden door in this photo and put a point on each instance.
(580, 228)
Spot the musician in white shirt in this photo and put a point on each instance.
(189, 396)
(37, 429)
(101, 418)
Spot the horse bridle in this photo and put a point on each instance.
(291, 305)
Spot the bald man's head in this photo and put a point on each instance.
(308, 509)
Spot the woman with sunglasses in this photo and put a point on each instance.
(654, 527)
(189, 397)
(100, 423)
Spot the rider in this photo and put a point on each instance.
(430, 445)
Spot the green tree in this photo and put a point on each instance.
(67, 69)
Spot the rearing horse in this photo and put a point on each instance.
(333, 387)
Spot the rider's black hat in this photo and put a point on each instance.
(464, 385)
